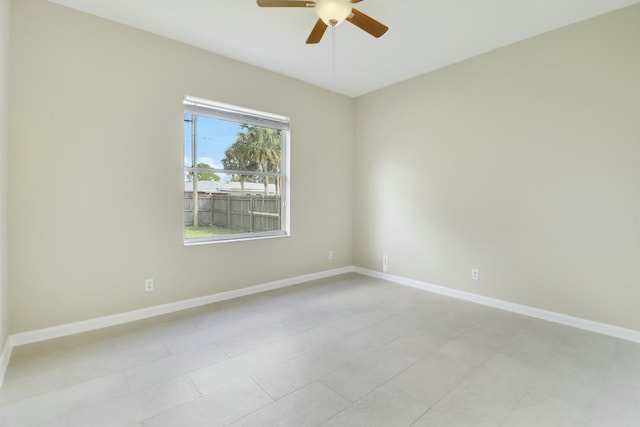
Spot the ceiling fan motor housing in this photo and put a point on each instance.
(333, 12)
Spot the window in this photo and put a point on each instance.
(235, 173)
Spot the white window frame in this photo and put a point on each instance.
(217, 110)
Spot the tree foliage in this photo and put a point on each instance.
(204, 176)
(256, 149)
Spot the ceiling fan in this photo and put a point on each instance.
(331, 13)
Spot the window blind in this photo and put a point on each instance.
(202, 107)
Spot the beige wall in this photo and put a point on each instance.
(523, 163)
(4, 138)
(95, 205)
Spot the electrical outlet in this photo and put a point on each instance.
(385, 263)
(148, 285)
(330, 254)
(475, 274)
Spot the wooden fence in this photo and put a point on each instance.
(248, 213)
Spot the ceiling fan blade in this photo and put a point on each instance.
(284, 3)
(370, 25)
(355, 1)
(317, 32)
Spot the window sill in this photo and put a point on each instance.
(200, 242)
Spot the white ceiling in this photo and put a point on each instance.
(424, 35)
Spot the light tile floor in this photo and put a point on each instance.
(345, 351)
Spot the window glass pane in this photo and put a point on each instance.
(188, 139)
(226, 209)
(213, 138)
(233, 179)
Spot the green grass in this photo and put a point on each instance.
(191, 232)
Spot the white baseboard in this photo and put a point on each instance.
(29, 337)
(564, 319)
(4, 359)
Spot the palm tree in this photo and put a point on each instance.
(257, 148)
(239, 157)
(266, 149)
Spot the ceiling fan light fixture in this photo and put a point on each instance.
(333, 12)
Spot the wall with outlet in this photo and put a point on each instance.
(97, 108)
(521, 163)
